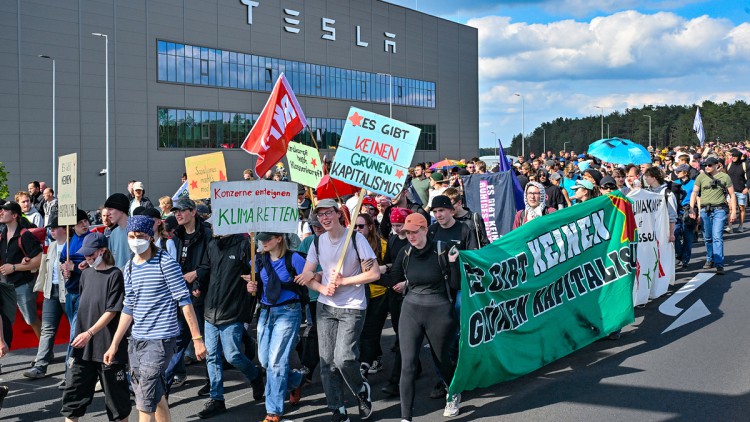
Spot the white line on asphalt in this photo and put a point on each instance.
(696, 311)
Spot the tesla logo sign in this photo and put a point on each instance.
(292, 20)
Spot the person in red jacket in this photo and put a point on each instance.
(534, 198)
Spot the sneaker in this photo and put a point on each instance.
(376, 367)
(719, 270)
(339, 417)
(365, 403)
(685, 265)
(212, 408)
(35, 373)
(364, 369)
(3, 393)
(728, 229)
(272, 418)
(452, 405)
(708, 265)
(259, 387)
(205, 390)
(179, 381)
(391, 389)
(439, 391)
(295, 396)
(740, 229)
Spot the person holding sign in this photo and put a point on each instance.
(341, 307)
(426, 272)
(280, 319)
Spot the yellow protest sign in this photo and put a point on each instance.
(202, 170)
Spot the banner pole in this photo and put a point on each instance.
(252, 259)
(312, 197)
(350, 230)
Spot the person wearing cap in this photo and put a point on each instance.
(16, 277)
(425, 272)
(535, 207)
(739, 172)
(191, 238)
(438, 185)
(102, 293)
(396, 241)
(447, 229)
(341, 308)
(370, 206)
(151, 274)
(554, 197)
(556, 179)
(608, 185)
(118, 206)
(53, 306)
(585, 190)
(227, 307)
(139, 198)
(685, 226)
(712, 187)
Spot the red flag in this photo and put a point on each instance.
(281, 119)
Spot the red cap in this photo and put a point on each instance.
(398, 215)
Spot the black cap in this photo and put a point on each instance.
(682, 167)
(53, 224)
(735, 152)
(12, 206)
(441, 201)
(170, 223)
(118, 201)
(711, 161)
(266, 236)
(608, 180)
(151, 212)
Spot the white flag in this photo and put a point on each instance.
(182, 191)
(698, 126)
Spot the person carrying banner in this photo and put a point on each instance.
(426, 273)
(534, 199)
(712, 187)
(341, 308)
(654, 180)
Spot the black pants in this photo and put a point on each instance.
(308, 345)
(80, 381)
(432, 316)
(369, 340)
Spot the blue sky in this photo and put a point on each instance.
(566, 57)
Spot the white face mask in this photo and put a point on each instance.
(138, 246)
(98, 261)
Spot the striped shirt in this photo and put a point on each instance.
(153, 291)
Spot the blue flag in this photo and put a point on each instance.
(488, 194)
(504, 165)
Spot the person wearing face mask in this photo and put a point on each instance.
(102, 291)
(152, 274)
(161, 237)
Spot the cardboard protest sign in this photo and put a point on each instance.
(254, 206)
(305, 165)
(375, 152)
(202, 170)
(67, 204)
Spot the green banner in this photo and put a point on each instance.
(553, 286)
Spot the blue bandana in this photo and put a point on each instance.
(141, 224)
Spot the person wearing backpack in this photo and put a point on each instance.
(227, 308)
(16, 276)
(737, 170)
(281, 303)
(426, 272)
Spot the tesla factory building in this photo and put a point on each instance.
(188, 77)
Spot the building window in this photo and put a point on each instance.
(427, 137)
(194, 65)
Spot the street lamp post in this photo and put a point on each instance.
(565, 143)
(602, 114)
(54, 139)
(544, 140)
(494, 136)
(607, 129)
(106, 98)
(523, 125)
(390, 93)
(649, 128)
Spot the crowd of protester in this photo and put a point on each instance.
(150, 289)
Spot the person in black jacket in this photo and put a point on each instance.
(191, 238)
(227, 308)
(425, 276)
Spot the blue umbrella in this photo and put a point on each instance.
(619, 151)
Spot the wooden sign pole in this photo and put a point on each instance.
(350, 230)
(253, 245)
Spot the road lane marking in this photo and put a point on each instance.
(696, 311)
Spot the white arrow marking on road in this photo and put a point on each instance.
(697, 311)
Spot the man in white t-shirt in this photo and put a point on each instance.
(341, 307)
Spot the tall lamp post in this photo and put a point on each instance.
(390, 93)
(544, 142)
(106, 97)
(649, 128)
(523, 125)
(566, 143)
(602, 114)
(607, 129)
(54, 139)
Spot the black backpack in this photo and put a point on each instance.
(301, 291)
(442, 261)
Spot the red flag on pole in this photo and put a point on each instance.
(281, 119)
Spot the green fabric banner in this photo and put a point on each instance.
(544, 290)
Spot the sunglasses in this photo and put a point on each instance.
(360, 226)
(609, 187)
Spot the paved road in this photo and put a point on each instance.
(699, 371)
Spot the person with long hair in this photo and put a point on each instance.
(585, 190)
(371, 354)
(152, 274)
(102, 291)
(280, 319)
(425, 276)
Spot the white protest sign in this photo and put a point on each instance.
(67, 205)
(254, 206)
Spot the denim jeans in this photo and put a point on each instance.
(71, 310)
(226, 338)
(278, 332)
(338, 342)
(713, 234)
(683, 240)
(52, 312)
